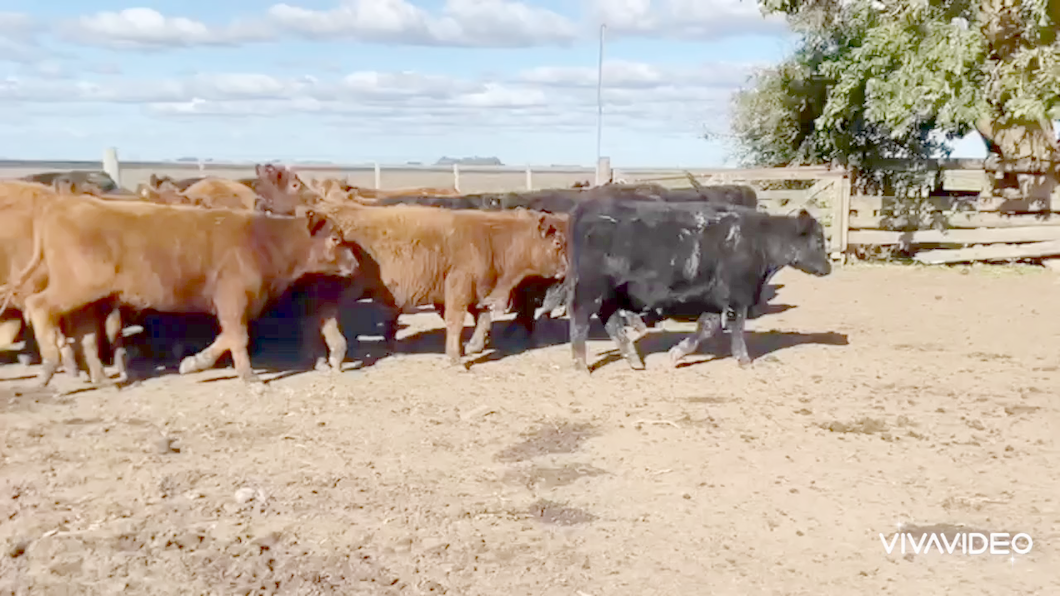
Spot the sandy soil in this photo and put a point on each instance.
(883, 395)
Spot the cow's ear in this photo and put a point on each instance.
(804, 222)
(315, 222)
(544, 226)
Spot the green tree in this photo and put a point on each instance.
(877, 80)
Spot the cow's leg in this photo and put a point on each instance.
(113, 329)
(45, 322)
(739, 344)
(524, 304)
(233, 338)
(580, 311)
(390, 331)
(483, 322)
(458, 299)
(615, 326)
(85, 326)
(67, 356)
(90, 351)
(556, 296)
(231, 309)
(501, 296)
(333, 337)
(707, 325)
(632, 319)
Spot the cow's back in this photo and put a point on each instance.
(221, 193)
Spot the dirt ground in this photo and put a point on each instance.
(880, 395)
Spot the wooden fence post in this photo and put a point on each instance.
(845, 197)
(529, 178)
(603, 171)
(378, 177)
(456, 177)
(840, 218)
(111, 165)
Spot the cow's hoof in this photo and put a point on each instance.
(335, 364)
(188, 365)
(25, 359)
(636, 365)
(744, 363)
(102, 382)
(475, 347)
(251, 379)
(321, 365)
(676, 355)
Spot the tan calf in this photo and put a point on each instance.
(459, 260)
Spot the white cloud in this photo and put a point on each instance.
(684, 19)
(482, 23)
(147, 29)
(623, 74)
(637, 97)
(462, 23)
(18, 39)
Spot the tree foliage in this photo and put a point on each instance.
(872, 81)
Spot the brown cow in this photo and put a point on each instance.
(210, 193)
(173, 259)
(86, 181)
(163, 182)
(19, 202)
(457, 260)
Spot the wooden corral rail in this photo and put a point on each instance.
(964, 224)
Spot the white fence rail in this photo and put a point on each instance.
(465, 178)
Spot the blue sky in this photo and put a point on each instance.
(392, 81)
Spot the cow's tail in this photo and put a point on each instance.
(38, 255)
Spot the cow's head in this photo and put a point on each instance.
(157, 182)
(329, 256)
(809, 252)
(282, 190)
(549, 254)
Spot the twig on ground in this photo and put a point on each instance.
(670, 422)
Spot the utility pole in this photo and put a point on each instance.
(600, 104)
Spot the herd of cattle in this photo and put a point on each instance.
(81, 259)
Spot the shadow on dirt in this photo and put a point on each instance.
(562, 437)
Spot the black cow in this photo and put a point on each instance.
(680, 260)
(82, 180)
(563, 200)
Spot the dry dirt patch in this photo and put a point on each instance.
(882, 395)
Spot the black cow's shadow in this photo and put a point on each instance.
(719, 347)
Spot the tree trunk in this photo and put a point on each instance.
(1028, 145)
(1008, 140)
